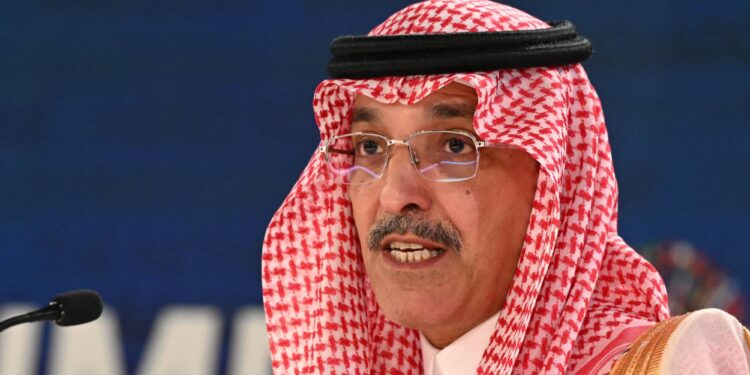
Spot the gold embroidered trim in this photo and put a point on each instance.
(645, 355)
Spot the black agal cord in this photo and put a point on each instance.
(401, 55)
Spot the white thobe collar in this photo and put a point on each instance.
(462, 356)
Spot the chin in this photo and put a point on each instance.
(415, 311)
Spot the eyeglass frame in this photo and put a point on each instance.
(478, 144)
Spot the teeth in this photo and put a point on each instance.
(413, 256)
(405, 246)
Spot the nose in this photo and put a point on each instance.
(403, 188)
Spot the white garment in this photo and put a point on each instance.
(708, 341)
(461, 356)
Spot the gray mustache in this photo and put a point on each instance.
(442, 232)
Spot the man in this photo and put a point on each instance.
(460, 215)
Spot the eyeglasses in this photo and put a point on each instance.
(438, 155)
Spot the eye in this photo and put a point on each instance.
(456, 145)
(368, 147)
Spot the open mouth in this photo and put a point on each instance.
(410, 252)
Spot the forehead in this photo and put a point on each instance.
(452, 91)
(455, 101)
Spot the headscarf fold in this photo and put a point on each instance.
(576, 282)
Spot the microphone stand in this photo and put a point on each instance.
(51, 312)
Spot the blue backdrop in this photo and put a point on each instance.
(144, 146)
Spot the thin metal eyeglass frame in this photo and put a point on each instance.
(324, 149)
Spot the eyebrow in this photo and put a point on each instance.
(364, 114)
(435, 111)
(451, 110)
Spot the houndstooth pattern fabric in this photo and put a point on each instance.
(576, 279)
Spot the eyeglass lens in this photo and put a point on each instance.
(438, 156)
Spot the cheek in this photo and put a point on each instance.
(493, 212)
(363, 212)
(463, 208)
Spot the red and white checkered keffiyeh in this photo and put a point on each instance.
(576, 280)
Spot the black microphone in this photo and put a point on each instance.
(67, 309)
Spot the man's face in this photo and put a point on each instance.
(449, 293)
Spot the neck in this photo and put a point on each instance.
(440, 337)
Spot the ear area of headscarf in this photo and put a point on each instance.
(290, 255)
(331, 107)
(506, 350)
(527, 109)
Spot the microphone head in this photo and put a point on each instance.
(78, 307)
